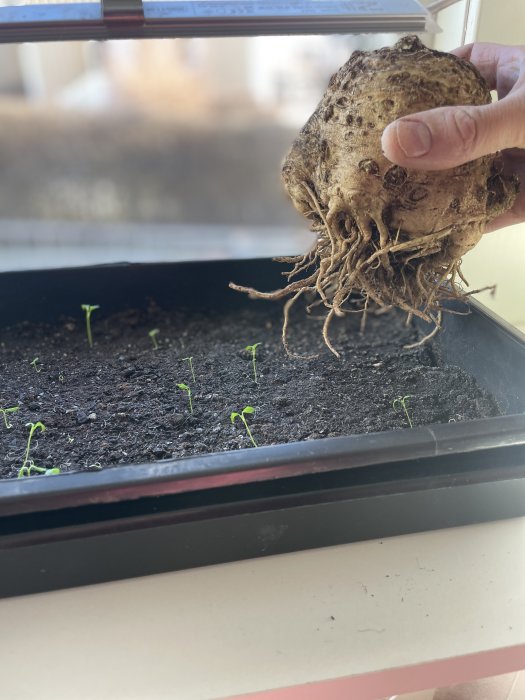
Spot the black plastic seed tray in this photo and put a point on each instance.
(84, 528)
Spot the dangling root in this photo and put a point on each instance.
(426, 338)
(326, 326)
(288, 305)
(364, 317)
(358, 260)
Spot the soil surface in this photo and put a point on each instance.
(118, 402)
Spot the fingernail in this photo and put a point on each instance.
(414, 138)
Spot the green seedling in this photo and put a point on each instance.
(241, 415)
(26, 471)
(33, 427)
(253, 350)
(153, 337)
(5, 411)
(187, 389)
(34, 363)
(189, 360)
(89, 310)
(401, 402)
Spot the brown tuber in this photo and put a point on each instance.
(387, 236)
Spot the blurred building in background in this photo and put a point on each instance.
(279, 77)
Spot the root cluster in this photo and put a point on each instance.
(351, 271)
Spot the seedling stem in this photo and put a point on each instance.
(187, 389)
(5, 411)
(88, 308)
(32, 428)
(253, 350)
(190, 361)
(26, 471)
(402, 401)
(234, 415)
(152, 334)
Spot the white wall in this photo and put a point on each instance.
(499, 258)
(452, 22)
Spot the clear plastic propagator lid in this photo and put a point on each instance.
(38, 20)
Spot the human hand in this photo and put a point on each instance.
(450, 136)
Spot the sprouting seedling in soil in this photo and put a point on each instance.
(187, 389)
(26, 471)
(34, 363)
(88, 308)
(241, 415)
(253, 350)
(401, 402)
(153, 333)
(33, 427)
(5, 411)
(189, 360)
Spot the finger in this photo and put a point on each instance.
(463, 51)
(485, 57)
(449, 136)
(499, 65)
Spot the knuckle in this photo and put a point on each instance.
(466, 128)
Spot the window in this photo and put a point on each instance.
(147, 150)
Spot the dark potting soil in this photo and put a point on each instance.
(118, 402)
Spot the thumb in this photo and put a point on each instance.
(449, 136)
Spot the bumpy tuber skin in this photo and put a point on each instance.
(387, 236)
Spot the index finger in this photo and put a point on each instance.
(489, 58)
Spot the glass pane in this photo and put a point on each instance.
(155, 150)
